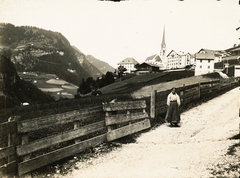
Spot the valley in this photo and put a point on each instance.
(51, 84)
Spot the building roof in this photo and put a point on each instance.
(206, 56)
(207, 50)
(128, 61)
(172, 51)
(152, 65)
(150, 57)
(236, 48)
(231, 57)
(155, 57)
(215, 52)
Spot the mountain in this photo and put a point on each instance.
(102, 66)
(88, 66)
(43, 51)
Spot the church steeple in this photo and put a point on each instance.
(163, 45)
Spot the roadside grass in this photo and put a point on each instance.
(230, 165)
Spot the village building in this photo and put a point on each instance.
(146, 68)
(192, 60)
(204, 63)
(232, 70)
(232, 53)
(155, 60)
(218, 54)
(173, 60)
(231, 61)
(128, 64)
(179, 60)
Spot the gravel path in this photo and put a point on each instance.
(191, 150)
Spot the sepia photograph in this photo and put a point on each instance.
(119, 88)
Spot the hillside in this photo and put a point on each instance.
(14, 90)
(44, 51)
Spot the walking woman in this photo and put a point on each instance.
(173, 103)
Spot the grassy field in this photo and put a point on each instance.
(137, 82)
(50, 83)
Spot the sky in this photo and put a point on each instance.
(113, 31)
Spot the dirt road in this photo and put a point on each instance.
(199, 144)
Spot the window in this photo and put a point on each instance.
(201, 60)
(208, 60)
(200, 67)
(208, 67)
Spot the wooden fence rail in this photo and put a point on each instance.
(37, 142)
(26, 149)
(130, 115)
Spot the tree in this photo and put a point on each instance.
(120, 70)
(9, 73)
(86, 86)
(82, 87)
(137, 66)
(109, 78)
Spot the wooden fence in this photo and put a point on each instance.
(40, 141)
(189, 94)
(36, 142)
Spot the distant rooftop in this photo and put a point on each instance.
(205, 56)
(155, 57)
(128, 61)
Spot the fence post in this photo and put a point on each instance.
(110, 127)
(152, 104)
(181, 94)
(211, 84)
(76, 126)
(13, 140)
(199, 90)
(25, 141)
(128, 113)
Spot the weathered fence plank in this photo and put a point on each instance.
(140, 104)
(8, 168)
(7, 128)
(5, 152)
(121, 118)
(59, 154)
(161, 110)
(127, 130)
(62, 137)
(189, 94)
(47, 121)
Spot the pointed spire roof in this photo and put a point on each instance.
(163, 38)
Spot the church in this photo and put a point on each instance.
(159, 59)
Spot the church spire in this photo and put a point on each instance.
(163, 46)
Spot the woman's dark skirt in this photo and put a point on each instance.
(173, 115)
